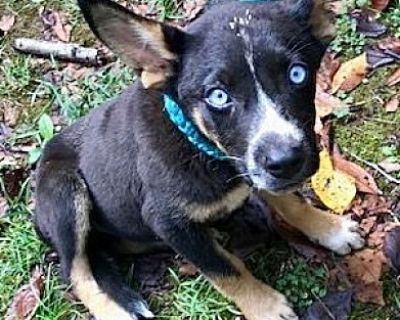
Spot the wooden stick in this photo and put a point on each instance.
(60, 50)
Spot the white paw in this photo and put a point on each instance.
(281, 310)
(274, 306)
(344, 238)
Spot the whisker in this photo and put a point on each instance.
(240, 175)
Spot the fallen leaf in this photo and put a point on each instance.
(27, 298)
(383, 53)
(393, 104)
(334, 188)
(368, 224)
(350, 74)
(7, 22)
(328, 67)
(379, 5)
(392, 248)
(376, 205)
(376, 238)
(365, 182)
(367, 24)
(310, 251)
(9, 114)
(394, 78)
(389, 166)
(53, 20)
(365, 269)
(325, 103)
(335, 305)
(13, 180)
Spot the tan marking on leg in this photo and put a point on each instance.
(89, 292)
(334, 232)
(229, 202)
(84, 284)
(255, 299)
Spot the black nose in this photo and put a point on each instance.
(285, 163)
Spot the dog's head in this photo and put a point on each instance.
(244, 72)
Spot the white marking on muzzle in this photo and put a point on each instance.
(270, 120)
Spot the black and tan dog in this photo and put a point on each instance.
(224, 106)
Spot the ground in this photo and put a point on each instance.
(31, 87)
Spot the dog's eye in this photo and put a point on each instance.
(218, 98)
(298, 74)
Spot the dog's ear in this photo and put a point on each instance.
(150, 47)
(316, 13)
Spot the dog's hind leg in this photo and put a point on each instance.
(337, 233)
(63, 216)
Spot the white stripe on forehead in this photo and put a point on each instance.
(271, 120)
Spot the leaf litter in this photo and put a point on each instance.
(27, 298)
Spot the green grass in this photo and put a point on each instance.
(365, 133)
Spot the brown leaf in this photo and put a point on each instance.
(376, 238)
(27, 298)
(394, 78)
(63, 32)
(392, 248)
(7, 22)
(365, 269)
(326, 103)
(9, 114)
(390, 43)
(379, 4)
(364, 180)
(393, 104)
(329, 66)
(309, 250)
(54, 21)
(350, 74)
(368, 224)
(13, 180)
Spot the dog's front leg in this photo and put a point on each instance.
(337, 233)
(228, 274)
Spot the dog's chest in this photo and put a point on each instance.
(230, 201)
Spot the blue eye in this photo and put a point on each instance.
(298, 74)
(218, 98)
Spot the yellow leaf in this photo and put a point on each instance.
(334, 188)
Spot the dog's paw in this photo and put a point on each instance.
(269, 304)
(109, 310)
(344, 237)
(281, 310)
(140, 310)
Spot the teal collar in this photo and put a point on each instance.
(189, 130)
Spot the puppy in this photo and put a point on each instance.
(224, 106)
